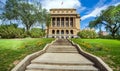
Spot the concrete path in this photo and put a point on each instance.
(61, 56)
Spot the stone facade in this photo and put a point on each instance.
(65, 23)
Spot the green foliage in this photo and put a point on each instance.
(36, 33)
(108, 50)
(28, 14)
(105, 37)
(11, 31)
(13, 51)
(87, 34)
(110, 19)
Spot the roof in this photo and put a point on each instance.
(62, 9)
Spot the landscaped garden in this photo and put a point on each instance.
(106, 49)
(14, 50)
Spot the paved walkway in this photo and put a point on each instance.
(61, 56)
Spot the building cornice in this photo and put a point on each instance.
(62, 9)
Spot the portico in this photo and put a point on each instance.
(65, 23)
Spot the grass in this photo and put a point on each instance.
(108, 50)
(14, 50)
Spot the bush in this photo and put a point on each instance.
(11, 31)
(36, 33)
(105, 37)
(109, 37)
(87, 33)
(117, 37)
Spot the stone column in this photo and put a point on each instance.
(69, 21)
(74, 23)
(55, 21)
(60, 21)
(64, 21)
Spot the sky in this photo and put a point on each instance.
(88, 9)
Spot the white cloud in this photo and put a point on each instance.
(97, 11)
(48, 4)
(94, 13)
(117, 3)
(100, 3)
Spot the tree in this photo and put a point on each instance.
(41, 15)
(48, 22)
(27, 15)
(10, 10)
(110, 18)
(22, 10)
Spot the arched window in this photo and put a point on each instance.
(71, 31)
(53, 31)
(67, 32)
(58, 32)
(62, 31)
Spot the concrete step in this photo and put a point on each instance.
(62, 52)
(62, 49)
(44, 67)
(62, 58)
(62, 44)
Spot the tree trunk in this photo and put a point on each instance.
(113, 35)
(27, 31)
(47, 31)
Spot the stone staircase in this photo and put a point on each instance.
(61, 56)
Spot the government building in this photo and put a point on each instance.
(65, 23)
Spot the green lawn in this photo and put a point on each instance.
(108, 50)
(13, 50)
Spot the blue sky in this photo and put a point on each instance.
(93, 8)
(88, 9)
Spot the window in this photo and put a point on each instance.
(53, 31)
(71, 31)
(58, 32)
(62, 22)
(71, 22)
(53, 22)
(67, 32)
(67, 22)
(62, 31)
(58, 22)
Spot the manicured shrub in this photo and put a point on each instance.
(87, 33)
(36, 33)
